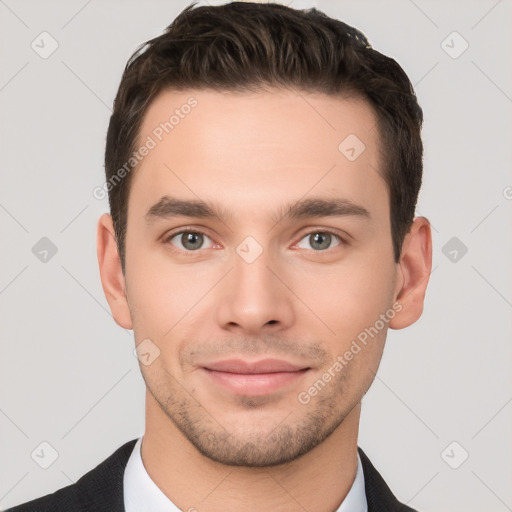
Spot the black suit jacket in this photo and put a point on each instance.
(101, 489)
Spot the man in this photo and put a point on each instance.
(263, 166)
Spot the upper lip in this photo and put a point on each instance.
(248, 367)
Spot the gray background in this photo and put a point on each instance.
(68, 375)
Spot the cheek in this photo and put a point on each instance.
(156, 305)
(165, 298)
(154, 294)
(346, 299)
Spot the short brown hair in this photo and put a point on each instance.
(243, 46)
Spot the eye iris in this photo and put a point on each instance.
(324, 239)
(191, 238)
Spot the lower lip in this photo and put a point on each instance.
(254, 384)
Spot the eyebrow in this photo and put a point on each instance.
(169, 207)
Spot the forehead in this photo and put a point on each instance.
(254, 148)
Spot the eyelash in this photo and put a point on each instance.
(169, 237)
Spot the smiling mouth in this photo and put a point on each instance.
(254, 378)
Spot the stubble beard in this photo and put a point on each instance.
(301, 428)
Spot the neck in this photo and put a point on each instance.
(319, 480)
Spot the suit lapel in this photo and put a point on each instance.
(378, 495)
(102, 488)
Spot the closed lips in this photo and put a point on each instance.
(258, 367)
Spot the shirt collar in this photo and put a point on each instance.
(141, 493)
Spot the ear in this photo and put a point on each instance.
(112, 278)
(414, 270)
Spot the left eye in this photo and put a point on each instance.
(320, 240)
(189, 240)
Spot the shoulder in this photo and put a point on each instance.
(99, 489)
(378, 494)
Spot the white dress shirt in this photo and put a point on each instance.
(141, 494)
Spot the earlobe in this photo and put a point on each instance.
(415, 268)
(112, 278)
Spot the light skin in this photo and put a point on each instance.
(303, 300)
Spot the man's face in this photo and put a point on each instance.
(219, 295)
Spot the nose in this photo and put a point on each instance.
(254, 297)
